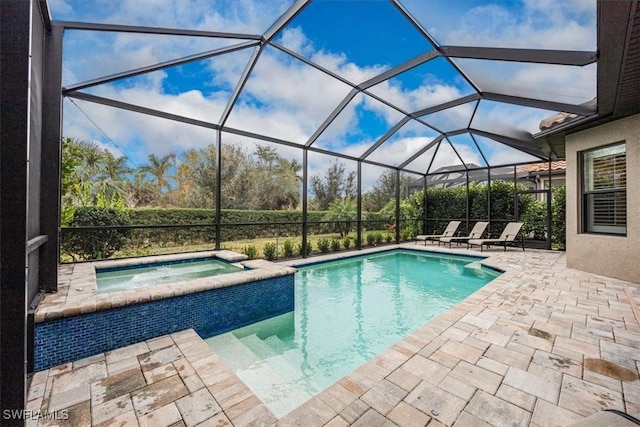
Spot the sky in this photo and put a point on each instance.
(286, 98)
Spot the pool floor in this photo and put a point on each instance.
(346, 312)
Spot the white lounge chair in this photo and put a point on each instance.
(448, 232)
(476, 233)
(609, 418)
(508, 235)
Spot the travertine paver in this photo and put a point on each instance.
(541, 345)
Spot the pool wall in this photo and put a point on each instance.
(209, 312)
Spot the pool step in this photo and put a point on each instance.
(277, 344)
(232, 350)
(475, 265)
(279, 383)
(259, 347)
(274, 390)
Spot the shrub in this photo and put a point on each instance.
(95, 244)
(287, 248)
(346, 243)
(559, 216)
(323, 245)
(378, 237)
(250, 251)
(406, 235)
(341, 216)
(371, 239)
(535, 219)
(270, 251)
(388, 238)
(335, 244)
(308, 249)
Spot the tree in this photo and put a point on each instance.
(276, 183)
(342, 216)
(337, 184)
(90, 175)
(111, 176)
(384, 191)
(70, 161)
(195, 178)
(159, 169)
(236, 179)
(140, 191)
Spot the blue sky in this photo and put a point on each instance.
(288, 99)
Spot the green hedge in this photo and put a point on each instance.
(265, 224)
(445, 204)
(442, 205)
(89, 244)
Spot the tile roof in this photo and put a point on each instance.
(543, 167)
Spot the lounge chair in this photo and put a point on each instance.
(509, 235)
(448, 232)
(476, 233)
(608, 418)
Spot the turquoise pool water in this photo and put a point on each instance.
(122, 278)
(346, 312)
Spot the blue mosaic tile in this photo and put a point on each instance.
(210, 313)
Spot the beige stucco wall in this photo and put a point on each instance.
(613, 256)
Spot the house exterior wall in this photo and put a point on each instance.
(613, 256)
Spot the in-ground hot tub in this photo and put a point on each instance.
(78, 321)
(111, 279)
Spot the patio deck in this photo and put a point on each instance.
(541, 345)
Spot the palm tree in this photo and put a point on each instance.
(115, 168)
(159, 169)
(112, 176)
(342, 214)
(140, 192)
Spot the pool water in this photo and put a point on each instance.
(122, 278)
(346, 313)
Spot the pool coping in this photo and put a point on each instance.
(78, 291)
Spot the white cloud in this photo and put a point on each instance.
(543, 24)
(238, 16)
(573, 85)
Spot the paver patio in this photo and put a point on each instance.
(541, 345)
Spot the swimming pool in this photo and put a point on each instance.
(129, 277)
(346, 312)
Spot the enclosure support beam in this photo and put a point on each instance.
(536, 56)
(359, 208)
(468, 205)
(397, 206)
(424, 205)
(489, 198)
(516, 211)
(15, 39)
(218, 189)
(51, 155)
(549, 210)
(305, 176)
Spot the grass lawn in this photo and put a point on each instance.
(241, 245)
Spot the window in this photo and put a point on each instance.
(604, 177)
